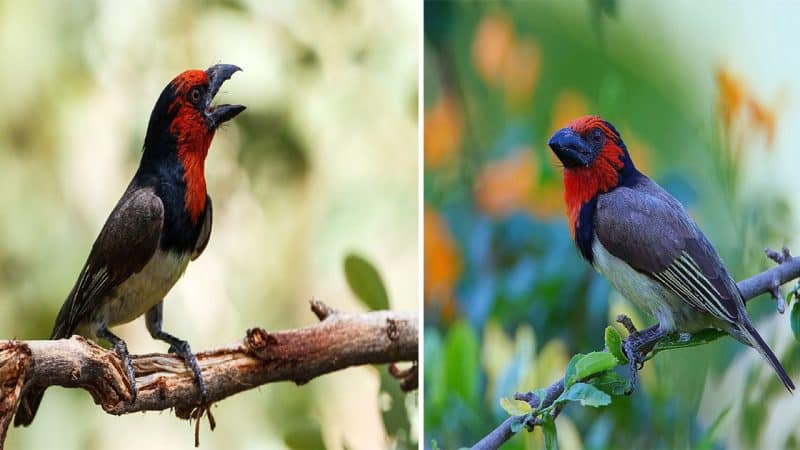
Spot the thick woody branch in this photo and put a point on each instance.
(340, 340)
(788, 269)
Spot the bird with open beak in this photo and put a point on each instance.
(162, 222)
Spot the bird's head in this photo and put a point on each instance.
(595, 160)
(184, 116)
(181, 127)
(586, 139)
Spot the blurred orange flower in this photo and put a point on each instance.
(494, 40)
(499, 57)
(764, 118)
(443, 130)
(522, 70)
(504, 186)
(442, 263)
(737, 103)
(731, 95)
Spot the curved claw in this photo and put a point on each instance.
(636, 347)
(122, 351)
(634, 365)
(185, 351)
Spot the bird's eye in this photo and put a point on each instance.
(596, 136)
(194, 95)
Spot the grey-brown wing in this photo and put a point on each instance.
(205, 230)
(126, 243)
(650, 230)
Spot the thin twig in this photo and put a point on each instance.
(626, 322)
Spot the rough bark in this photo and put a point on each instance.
(338, 341)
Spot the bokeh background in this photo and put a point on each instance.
(707, 97)
(322, 163)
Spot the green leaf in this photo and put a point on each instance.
(683, 340)
(593, 363)
(462, 361)
(393, 410)
(514, 407)
(435, 386)
(305, 437)
(434, 445)
(707, 440)
(550, 435)
(570, 375)
(614, 344)
(365, 282)
(585, 393)
(611, 383)
(517, 423)
(794, 319)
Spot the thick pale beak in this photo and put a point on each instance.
(217, 115)
(570, 149)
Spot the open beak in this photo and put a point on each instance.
(217, 115)
(570, 148)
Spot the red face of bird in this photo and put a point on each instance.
(586, 139)
(184, 113)
(595, 160)
(193, 92)
(182, 126)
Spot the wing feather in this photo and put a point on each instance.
(126, 243)
(646, 227)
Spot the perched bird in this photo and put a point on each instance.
(642, 240)
(162, 222)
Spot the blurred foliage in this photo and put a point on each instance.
(323, 160)
(507, 298)
(366, 283)
(593, 380)
(793, 300)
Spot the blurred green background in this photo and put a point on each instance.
(322, 163)
(704, 94)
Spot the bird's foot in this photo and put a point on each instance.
(635, 361)
(182, 349)
(122, 351)
(775, 284)
(637, 346)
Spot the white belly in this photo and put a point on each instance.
(672, 312)
(143, 290)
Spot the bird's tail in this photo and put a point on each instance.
(758, 343)
(28, 405)
(32, 395)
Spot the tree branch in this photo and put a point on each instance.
(788, 269)
(339, 341)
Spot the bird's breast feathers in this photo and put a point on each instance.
(144, 289)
